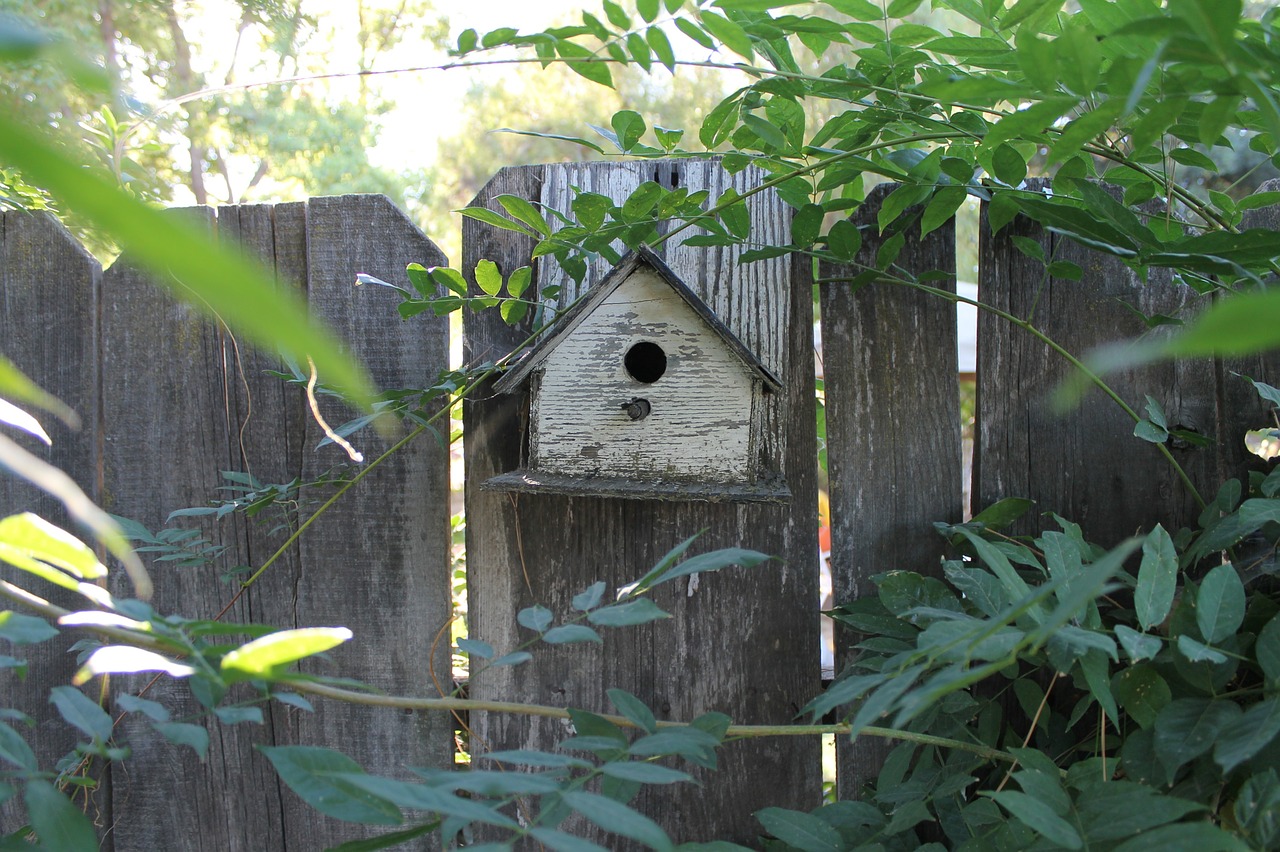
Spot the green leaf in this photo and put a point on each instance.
(497, 220)
(805, 832)
(628, 125)
(1220, 603)
(57, 822)
(1008, 165)
(81, 711)
(1039, 817)
(1184, 837)
(263, 657)
(730, 34)
(1267, 649)
(644, 772)
(1192, 157)
(151, 709)
(540, 759)
(616, 15)
(765, 130)
(1188, 727)
(648, 10)
(1157, 578)
(568, 633)
(584, 63)
(634, 709)
(641, 54)
(32, 536)
(844, 239)
(501, 35)
(398, 838)
(239, 715)
(590, 599)
(661, 45)
(941, 208)
(488, 277)
(1142, 692)
(617, 818)
(24, 629)
(126, 659)
(806, 224)
(1240, 740)
(476, 649)
(692, 30)
(14, 749)
(1198, 652)
(537, 618)
(315, 774)
(1138, 646)
(524, 211)
(185, 734)
(715, 560)
(220, 281)
(558, 841)
(691, 742)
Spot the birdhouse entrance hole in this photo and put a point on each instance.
(645, 362)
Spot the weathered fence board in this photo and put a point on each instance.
(49, 330)
(733, 644)
(893, 431)
(184, 400)
(1082, 463)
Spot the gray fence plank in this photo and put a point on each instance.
(740, 643)
(48, 329)
(379, 563)
(1083, 463)
(893, 432)
(165, 439)
(1240, 409)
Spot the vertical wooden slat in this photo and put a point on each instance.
(740, 643)
(48, 329)
(167, 435)
(378, 563)
(1239, 407)
(893, 432)
(1082, 463)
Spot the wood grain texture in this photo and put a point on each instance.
(699, 427)
(740, 643)
(1240, 408)
(378, 563)
(1082, 463)
(49, 330)
(893, 432)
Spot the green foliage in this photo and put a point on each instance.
(1146, 699)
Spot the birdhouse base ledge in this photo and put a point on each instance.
(528, 481)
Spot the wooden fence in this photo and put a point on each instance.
(170, 400)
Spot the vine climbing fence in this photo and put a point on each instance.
(171, 401)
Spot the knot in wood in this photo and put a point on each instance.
(637, 408)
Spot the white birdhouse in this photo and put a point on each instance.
(641, 391)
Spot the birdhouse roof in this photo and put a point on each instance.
(620, 273)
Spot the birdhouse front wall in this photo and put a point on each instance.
(643, 388)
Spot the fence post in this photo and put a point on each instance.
(742, 643)
(893, 432)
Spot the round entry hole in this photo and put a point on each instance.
(645, 362)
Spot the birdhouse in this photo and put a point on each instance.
(641, 391)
